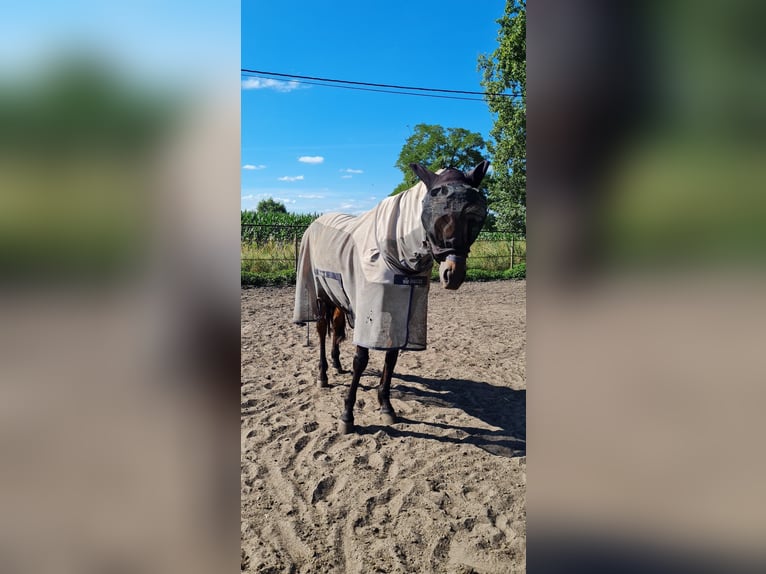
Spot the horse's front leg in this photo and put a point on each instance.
(384, 388)
(361, 357)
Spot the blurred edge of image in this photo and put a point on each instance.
(119, 291)
(646, 179)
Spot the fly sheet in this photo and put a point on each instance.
(375, 266)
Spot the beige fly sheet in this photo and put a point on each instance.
(375, 266)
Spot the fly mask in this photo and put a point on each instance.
(453, 213)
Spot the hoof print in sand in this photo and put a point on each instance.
(322, 489)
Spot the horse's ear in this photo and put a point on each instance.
(425, 174)
(477, 174)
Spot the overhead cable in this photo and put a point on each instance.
(384, 88)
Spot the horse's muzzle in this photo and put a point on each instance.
(452, 271)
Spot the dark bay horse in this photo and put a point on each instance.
(373, 271)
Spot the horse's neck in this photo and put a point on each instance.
(412, 240)
(411, 208)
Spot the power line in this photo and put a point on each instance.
(294, 76)
(389, 88)
(383, 91)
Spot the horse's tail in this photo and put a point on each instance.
(339, 323)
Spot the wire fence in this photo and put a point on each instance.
(274, 247)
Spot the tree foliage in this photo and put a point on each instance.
(270, 205)
(505, 71)
(436, 147)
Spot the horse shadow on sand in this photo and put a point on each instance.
(499, 407)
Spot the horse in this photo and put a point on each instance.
(373, 271)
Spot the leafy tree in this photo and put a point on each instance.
(490, 224)
(270, 205)
(436, 147)
(504, 71)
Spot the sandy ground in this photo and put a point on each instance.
(443, 490)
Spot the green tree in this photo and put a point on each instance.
(505, 72)
(436, 147)
(270, 205)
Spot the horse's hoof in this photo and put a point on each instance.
(346, 427)
(322, 383)
(389, 418)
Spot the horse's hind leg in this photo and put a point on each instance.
(384, 388)
(360, 364)
(322, 332)
(338, 335)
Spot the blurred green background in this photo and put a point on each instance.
(77, 147)
(688, 187)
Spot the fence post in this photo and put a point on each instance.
(295, 250)
(513, 237)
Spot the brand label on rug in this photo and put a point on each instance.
(410, 280)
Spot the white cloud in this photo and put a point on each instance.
(346, 176)
(311, 159)
(250, 166)
(268, 84)
(352, 170)
(311, 196)
(291, 178)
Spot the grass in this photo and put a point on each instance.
(269, 257)
(496, 255)
(280, 278)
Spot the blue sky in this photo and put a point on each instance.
(320, 149)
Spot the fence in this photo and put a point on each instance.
(270, 248)
(273, 248)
